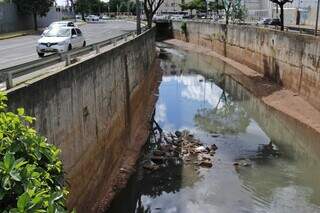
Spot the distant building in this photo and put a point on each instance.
(258, 9)
(171, 6)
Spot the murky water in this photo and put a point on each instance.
(196, 95)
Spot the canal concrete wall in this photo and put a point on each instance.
(289, 59)
(96, 111)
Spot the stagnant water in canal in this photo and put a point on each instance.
(196, 95)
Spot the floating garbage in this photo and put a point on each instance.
(180, 146)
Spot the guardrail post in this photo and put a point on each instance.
(114, 42)
(97, 48)
(9, 80)
(68, 59)
(125, 38)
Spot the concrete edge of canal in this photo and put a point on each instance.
(284, 101)
(98, 112)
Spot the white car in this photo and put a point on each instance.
(59, 40)
(264, 21)
(176, 17)
(78, 17)
(106, 17)
(92, 18)
(58, 24)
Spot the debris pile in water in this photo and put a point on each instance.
(180, 147)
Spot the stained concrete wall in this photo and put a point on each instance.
(95, 111)
(11, 21)
(289, 59)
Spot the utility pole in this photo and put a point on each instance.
(317, 20)
(138, 14)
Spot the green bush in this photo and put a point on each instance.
(184, 30)
(184, 27)
(31, 175)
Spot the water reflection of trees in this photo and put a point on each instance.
(227, 117)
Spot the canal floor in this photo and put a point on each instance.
(281, 171)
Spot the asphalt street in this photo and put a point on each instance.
(19, 50)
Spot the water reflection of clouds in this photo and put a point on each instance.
(191, 93)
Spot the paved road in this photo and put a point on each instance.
(22, 49)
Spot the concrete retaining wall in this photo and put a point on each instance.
(95, 111)
(288, 59)
(11, 21)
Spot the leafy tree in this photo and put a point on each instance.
(124, 7)
(34, 7)
(238, 12)
(234, 10)
(90, 6)
(132, 7)
(281, 4)
(82, 7)
(216, 6)
(150, 8)
(198, 5)
(31, 176)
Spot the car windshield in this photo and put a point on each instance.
(57, 25)
(58, 32)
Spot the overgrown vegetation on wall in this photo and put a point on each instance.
(185, 30)
(31, 175)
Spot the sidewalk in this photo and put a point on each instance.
(16, 34)
(4, 36)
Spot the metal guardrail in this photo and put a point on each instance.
(8, 74)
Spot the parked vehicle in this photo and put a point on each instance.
(58, 24)
(269, 21)
(160, 17)
(92, 18)
(264, 21)
(176, 17)
(78, 17)
(105, 17)
(201, 15)
(275, 22)
(59, 40)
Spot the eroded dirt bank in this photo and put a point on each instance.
(274, 96)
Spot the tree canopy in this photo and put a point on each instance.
(34, 7)
(90, 6)
(199, 5)
(216, 6)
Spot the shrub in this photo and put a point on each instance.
(184, 30)
(31, 175)
(184, 27)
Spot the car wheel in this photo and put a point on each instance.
(41, 55)
(84, 44)
(69, 47)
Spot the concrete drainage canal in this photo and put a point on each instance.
(215, 147)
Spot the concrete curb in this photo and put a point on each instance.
(13, 35)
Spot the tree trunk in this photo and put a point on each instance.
(281, 17)
(82, 15)
(225, 36)
(149, 20)
(35, 21)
